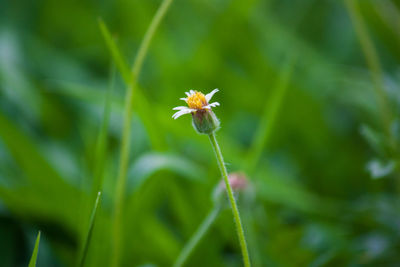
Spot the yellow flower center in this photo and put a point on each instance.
(196, 101)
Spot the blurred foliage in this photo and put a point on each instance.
(324, 170)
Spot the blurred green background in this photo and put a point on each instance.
(303, 114)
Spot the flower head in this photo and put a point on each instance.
(204, 120)
(196, 101)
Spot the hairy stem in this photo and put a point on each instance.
(197, 236)
(235, 210)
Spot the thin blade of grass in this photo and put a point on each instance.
(101, 146)
(115, 53)
(144, 46)
(88, 236)
(141, 103)
(371, 56)
(269, 116)
(32, 262)
(259, 143)
(197, 236)
(126, 134)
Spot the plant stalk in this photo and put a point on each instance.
(235, 210)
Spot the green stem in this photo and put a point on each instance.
(198, 235)
(235, 210)
(126, 134)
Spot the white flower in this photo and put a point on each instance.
(196, 101)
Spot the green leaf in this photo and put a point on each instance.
(115, 53)
(374, 139)
(88, 236)
(45, 182)
(141, 103)
(272, 188)
(150, 163)
(101, 146)
(32, 262)
(270, 115)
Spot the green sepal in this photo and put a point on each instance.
(205, 121)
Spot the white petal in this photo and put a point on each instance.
(209, 95)
(187, 93)
(213, 104)
(180, 108)
(183, 98)
(192, 92)
(181, 112)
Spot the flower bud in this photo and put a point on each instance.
(205, 121)
(238, 182)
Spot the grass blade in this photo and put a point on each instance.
(141, 103)
(373, 63)
(261, 140)
(269, 117)
(88, 236)
(101, 146)
(126, 134)
(32, 262)
(115, 53)
(144, 46)
(197, 236)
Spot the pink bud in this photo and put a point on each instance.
(237, 180)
